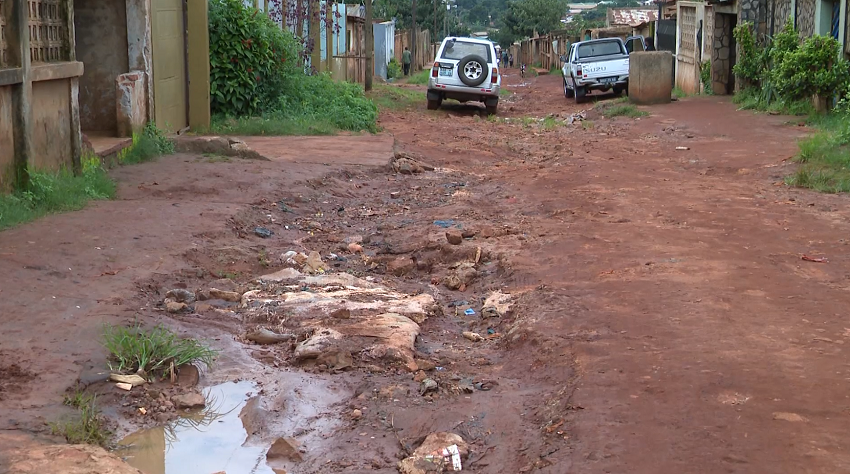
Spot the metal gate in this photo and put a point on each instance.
(666, 36)
(169, 65)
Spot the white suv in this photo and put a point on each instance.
(466, 69)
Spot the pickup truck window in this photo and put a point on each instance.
(462, 49)
(605, 48)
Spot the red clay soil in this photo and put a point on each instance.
(665, 320)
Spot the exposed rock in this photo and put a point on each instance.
(263, 336)
(314, 264)
(355, 248)
(286, 449)
(425, 364)
(461, 277)
(497, 304)
(420, 376)
(225, 295)
(356, 414)
(401, 266)
(323, 339)
(175, 307)
(336, 360)
(282, 275)
(134, 380)
(430, 457)
(24, 455)
(468, 233)
(427, 385)
(202, 307)
(188, 375)
(473, 336)
(342, 313)
(124, 386)
(408, 163)
(189, 400)
(454, 237)
(181, 296)
(225, 284)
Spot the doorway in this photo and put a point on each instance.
(724, 54)
(169, 65)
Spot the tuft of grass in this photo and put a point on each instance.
(587, 124)
(151, 143)
(420, 78)
(87, 426)
(54, 192)
(679, 93)
(825, 156)
(272, 125)
(391, 97)
(623, 110)
(504, 92)
(754, 99)
(133, 349)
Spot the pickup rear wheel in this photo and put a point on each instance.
(568, 93)
(580, 93)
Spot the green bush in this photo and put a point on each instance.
(342, 104)
(147, 145)
(394, 70)
(812, 68)
(751, 58)
(251, 58)
(705, 77)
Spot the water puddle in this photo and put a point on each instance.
(211, 441)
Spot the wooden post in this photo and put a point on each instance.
(413, 40)
(330, 22)
(76, 133)
(199, 64)
(314, 10)
(370, 46)
(18, 51)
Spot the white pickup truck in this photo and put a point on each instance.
(600, 64)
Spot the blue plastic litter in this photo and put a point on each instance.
(469, 312)
(445, 224)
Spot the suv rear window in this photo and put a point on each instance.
(462, 49)
(605, 48)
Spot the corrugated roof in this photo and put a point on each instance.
(633, 17)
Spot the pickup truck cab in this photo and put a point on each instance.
(465, 69)
(601, 64)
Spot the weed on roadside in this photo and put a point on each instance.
(420, 78)
(395, 97)
(626, 110)
(154, 351)
(273, 126)
(151, 143)
(87, 425)
(825, 156)
(679, 93)
(53, 192)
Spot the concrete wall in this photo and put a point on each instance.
(649, 77)
(139, 45)
(51, 125)
(7, 156)
(101, 32)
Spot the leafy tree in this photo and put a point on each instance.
(525, 17)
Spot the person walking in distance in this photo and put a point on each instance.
(405, 61)
(511, 59)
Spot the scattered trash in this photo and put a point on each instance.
(124, 386)
(473, 336)
(576, 117)
(497, 304)
(263, 232)
(457, 303)
(181, 296)
(440, 452)
(450, 454)
(143, 411)
(491, 331)
(815, 259)
(683, 148)
(469, 312)
(445, 224)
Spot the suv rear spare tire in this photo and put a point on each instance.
(472, 70)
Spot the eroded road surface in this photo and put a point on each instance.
(638, 298)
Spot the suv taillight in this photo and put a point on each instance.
(435, 71)
(494, 76)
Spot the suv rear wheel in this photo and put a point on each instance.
(492, 106)
(472, 70)
(434, 104)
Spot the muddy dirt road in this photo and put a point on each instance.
(662, 318)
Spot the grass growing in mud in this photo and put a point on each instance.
(620, 108)
(825, 156)
(54, 192)
(151, 143)
(395, 97)
(420, 78)
(87, 425)
(154, 351)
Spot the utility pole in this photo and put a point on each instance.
(434, 31)
(315, 22)
(370, 47)
(330, 26)
(413, 40)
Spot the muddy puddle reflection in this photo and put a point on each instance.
(207, 442)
